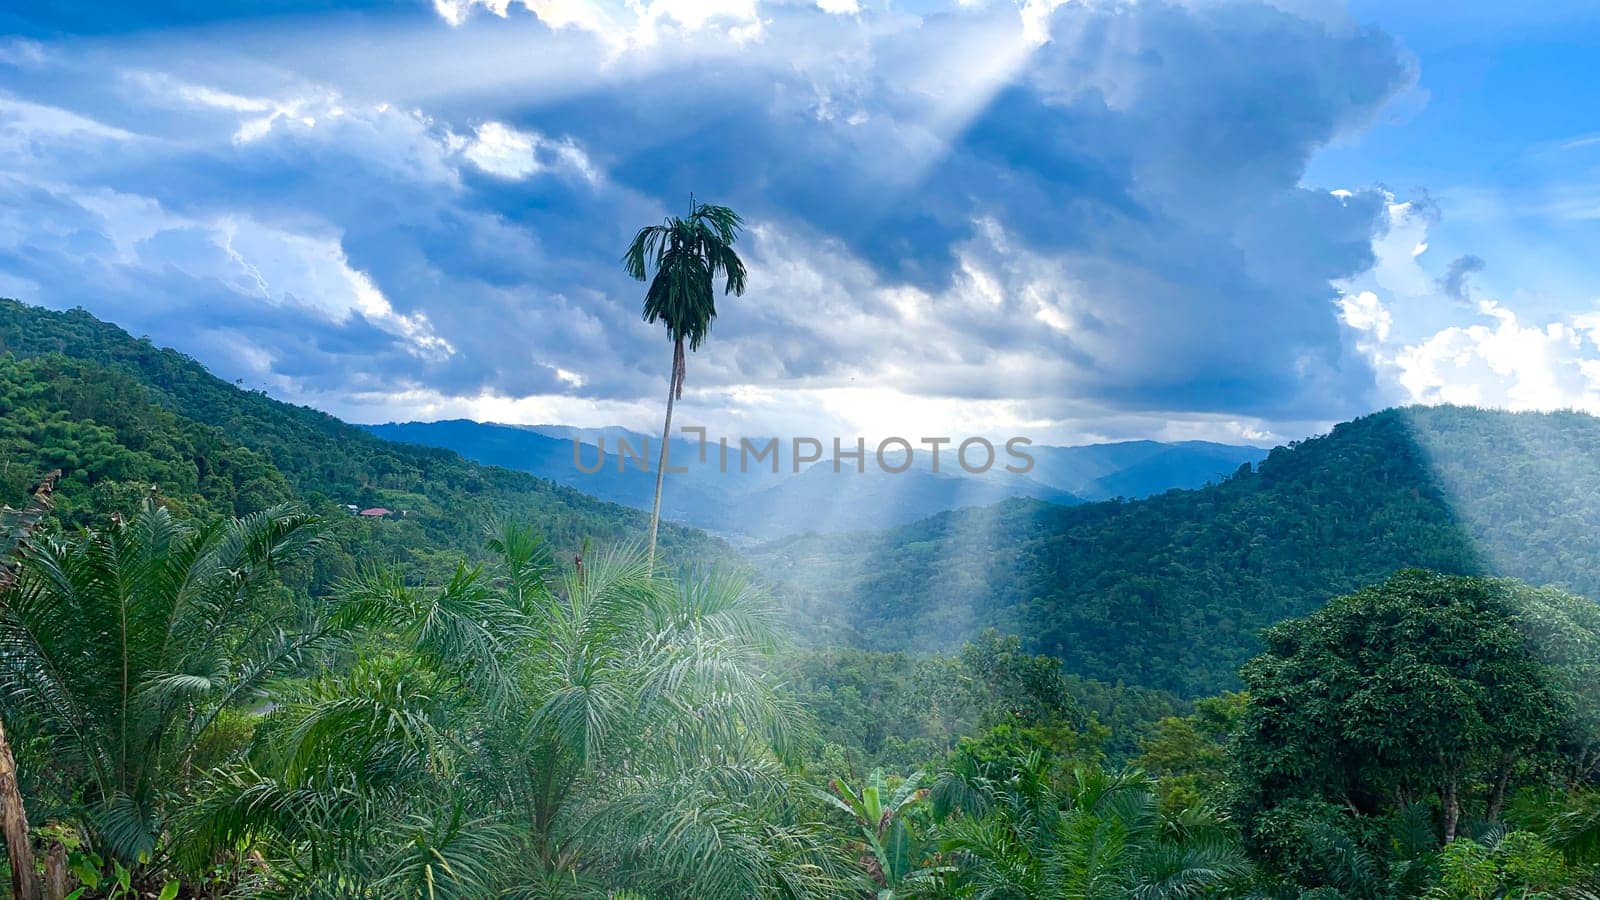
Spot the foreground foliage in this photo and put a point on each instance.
(519, 728)
(129, 649)
(1411, 713)
(187, 722)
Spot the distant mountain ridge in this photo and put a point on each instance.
(763, 505)
(1134, 469)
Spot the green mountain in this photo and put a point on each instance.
(118, 414)
(1170, 592)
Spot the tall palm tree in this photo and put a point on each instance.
(686, 256)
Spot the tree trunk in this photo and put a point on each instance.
(1452, 809)
(19, 846)
(674, 386)
(55, 872)
(1497, 800)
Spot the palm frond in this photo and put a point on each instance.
(685, 256)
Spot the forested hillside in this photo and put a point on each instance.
(218, 695)
(118, 414)
(1170, 592)
(1164, 593)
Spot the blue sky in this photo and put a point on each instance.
(1075, 221)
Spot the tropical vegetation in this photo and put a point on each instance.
(217, 682)
(186, 716)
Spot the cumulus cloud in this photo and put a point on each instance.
(1498, 360)
(1042, 215)
(636, 23)
(143, 245)
(1406, 324)
(506, 152)
(1364, 312)
(1504, 362)
(839, 7)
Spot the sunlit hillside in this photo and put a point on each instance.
(1171, 592)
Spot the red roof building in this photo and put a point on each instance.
(377, 512)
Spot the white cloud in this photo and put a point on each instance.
(502, 150)
(581, 14)
(506, 152)
(22, 53)
(1582, 140)
(1410, 328)
(312, 272)
(1364, 312)
(407, 140)
(416, 402)
(205, 96)
(1421, 351)
(26, 120)
(694, 15)
(1506, 363)
(257, 116)
(1399, 267)
(258, 263)
(636, 23)
(1036, 19)
(839, 7)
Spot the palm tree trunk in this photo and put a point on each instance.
(24, 881)
(674, 388)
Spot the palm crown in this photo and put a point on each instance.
(687, 255)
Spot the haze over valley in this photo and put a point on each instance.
(746, 501)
